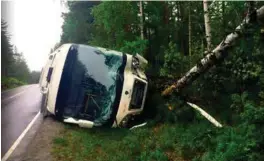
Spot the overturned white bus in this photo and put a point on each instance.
(92, 86)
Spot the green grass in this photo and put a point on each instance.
(148, 143)
(9, 83)
(60, 141)
(161, 142)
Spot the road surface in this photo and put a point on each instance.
(19, 107)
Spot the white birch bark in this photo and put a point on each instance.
(141, 20)
(219, 53)
(190, 34)
(207, 25)
(205, 114)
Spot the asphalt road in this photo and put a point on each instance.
(19, 107)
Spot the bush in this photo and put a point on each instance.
(242, 142)
(9, 82)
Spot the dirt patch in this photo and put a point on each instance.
(173, 156)
(157, 128)
(41, 145)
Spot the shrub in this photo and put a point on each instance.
(242, 142)
(9, 82)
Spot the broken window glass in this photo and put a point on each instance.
(91, 83)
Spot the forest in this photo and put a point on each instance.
(173, 37)
(14, 69)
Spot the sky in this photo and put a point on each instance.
(34, 26)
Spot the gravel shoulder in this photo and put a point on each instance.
(40, 146)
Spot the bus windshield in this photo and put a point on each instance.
(91, 80)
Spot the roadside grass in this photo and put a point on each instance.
(60, 141)
(9, 83)
(147, 143)
(196, 141)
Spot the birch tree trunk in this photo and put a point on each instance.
(223, 15)
(207, 25)
(141, 20)
(190, 34)
(190, 30)
(219, 53)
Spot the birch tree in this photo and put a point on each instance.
(207, 25)
(190, 30)
(141, 20)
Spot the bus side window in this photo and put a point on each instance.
(49, 74)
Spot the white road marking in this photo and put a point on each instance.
(15, 144)
(16, 94)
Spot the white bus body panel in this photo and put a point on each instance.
(129, 79)
(57, 63)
